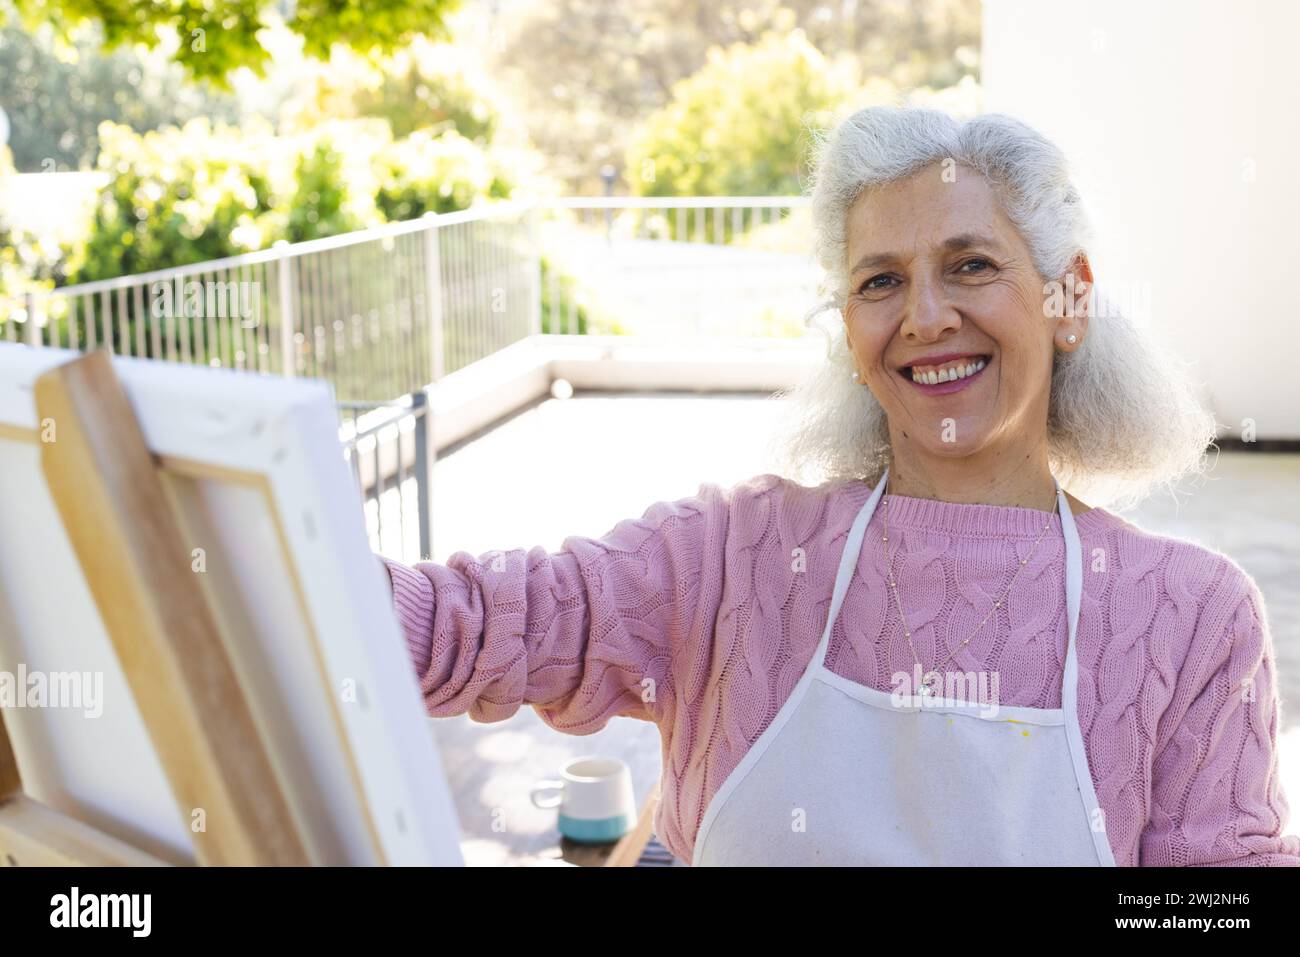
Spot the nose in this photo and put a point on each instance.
(928, 314)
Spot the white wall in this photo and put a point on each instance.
(1183, 123)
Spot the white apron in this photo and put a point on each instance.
(849, 775)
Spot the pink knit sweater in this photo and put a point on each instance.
(700, 617)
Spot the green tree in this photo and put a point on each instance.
(586, 72)
(56, 95)
(212, 38)
(743, 124)
(433, 87)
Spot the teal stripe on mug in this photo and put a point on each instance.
(595, 830)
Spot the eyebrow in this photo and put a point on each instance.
(952, 244)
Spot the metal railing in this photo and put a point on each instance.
(388, 446)
(700, 219)
(675, 266)
(384, 313)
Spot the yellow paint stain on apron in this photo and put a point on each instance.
(1016, 721)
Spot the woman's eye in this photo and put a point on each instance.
(876, 283)
(980, 266)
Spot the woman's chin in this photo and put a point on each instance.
(951, 451)
(956, 440)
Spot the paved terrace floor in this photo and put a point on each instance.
(580, 465)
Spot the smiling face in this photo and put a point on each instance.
(945, 317)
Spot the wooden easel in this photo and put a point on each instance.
(127, 538)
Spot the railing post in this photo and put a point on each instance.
(32, 328)
(433, 294)
(534, 271)
(288, 323)
(425, 453)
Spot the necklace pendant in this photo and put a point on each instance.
(929, 682)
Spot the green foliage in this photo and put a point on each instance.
(183, 195)
(201, 192)
(567, 308)
(441, 174)
(432, 87)
(368, 26)
(587, 72)
(213, 38)
(175, 196)
(747, 123)
(742, 125)
(319, 205)
(56, 95)
(563, 311)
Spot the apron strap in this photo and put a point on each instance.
(1070, 683)
(848, 565)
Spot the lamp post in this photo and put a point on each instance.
(608, 173)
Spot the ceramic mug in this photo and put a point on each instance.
(594, 797)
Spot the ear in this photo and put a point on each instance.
(1078, 287)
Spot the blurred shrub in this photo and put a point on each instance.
(332, 188)
(742, 124)
(440, 174)
(175, 196)
(564, 310)
(183, 195)
(745, 123)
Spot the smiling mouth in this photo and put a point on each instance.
(949, 375)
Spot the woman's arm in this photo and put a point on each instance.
(583, 634)
(1216, 798)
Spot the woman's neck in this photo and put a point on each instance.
(1025, 482)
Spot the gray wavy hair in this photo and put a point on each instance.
(1124, 418)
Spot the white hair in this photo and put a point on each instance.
(1124, 416)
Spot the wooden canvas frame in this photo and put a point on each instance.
(120, 485)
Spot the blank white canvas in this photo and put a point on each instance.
(343, 717)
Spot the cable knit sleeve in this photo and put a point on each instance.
(1216, 797)
(583, 634)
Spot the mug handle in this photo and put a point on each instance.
(547, 802)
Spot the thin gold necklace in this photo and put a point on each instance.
(932, 677)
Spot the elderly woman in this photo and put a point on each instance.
(938, 655)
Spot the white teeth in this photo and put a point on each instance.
(934, 377)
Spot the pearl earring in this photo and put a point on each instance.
(856, 376)
(1071, 339)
